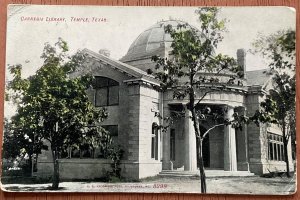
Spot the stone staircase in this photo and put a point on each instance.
(208, 172)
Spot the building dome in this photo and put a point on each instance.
(153, 41)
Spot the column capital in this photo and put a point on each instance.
(228, 112)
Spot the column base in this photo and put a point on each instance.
(243, 166)
(230, 169)
(167, 165)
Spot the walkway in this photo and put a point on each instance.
(229, 185)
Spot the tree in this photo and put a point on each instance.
(53, 108)
(185, 72)
(10, 140)
(24, 140)
(279, 106)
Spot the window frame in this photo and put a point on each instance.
(107, 86)
(154, 141)
(107, 127)
(275, 147)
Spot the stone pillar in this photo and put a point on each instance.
(190, 156)
(133, 122)
(166, 164)
(242, 144)
(230, 160)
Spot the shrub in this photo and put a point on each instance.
(115, 154)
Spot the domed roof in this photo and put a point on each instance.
(153, 41)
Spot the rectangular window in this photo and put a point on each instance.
(106, 91)
(113, 96)
(275, 147)
(271, 151)
(156, 146)
(153, 146)
(279, 152)
(275, 152)
(101, 97)
(112, 129)
(154, 141)
(282, 152)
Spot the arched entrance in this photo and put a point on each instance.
(205, 148)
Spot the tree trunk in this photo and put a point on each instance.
(199, 152)
(285, 144)
(29, 170)
(201, 166)
(36, 161)
(286, 158)
(55, 178)
(198, 136)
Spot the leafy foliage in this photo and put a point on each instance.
(278, 48)
(187, 73)
(191, 61)
(95, 137)
(279, 105)
(116, 154)
(52, 106)
(11, 140)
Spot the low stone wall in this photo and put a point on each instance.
(89, 169)
(260, 168)
(83, 168)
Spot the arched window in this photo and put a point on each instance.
(106, 91)
(154, 141)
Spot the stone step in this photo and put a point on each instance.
(209, 173)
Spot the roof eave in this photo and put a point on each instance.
(116, 64)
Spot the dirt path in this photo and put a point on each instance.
(236, 185)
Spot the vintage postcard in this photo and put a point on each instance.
(150, 99)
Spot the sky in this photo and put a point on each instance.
(122, 25)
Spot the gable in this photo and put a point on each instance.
(101, 64)
(98, 68)
(125, 68)
(258, 77)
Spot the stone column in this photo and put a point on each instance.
(242, 145)
(190, 156)
(230, 161)
(166, 164)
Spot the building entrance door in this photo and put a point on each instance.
(205, 148)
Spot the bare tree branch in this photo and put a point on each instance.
(211, 128)
(203, 96)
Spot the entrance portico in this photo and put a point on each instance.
(220, 151)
